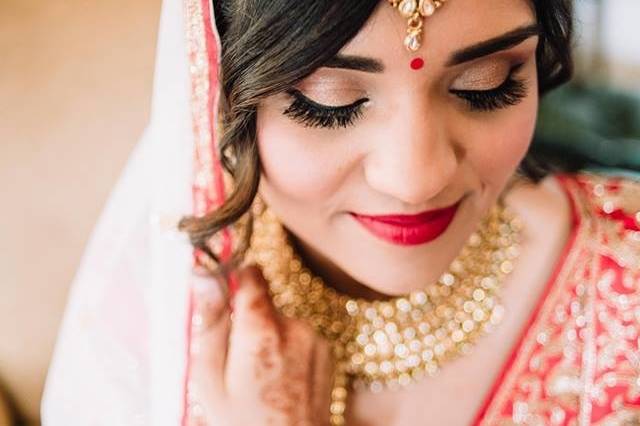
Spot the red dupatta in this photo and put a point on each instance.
(203, 44)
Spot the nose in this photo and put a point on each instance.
(413, 160)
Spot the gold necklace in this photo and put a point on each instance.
(395, 342)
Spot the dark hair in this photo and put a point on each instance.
(270, 45)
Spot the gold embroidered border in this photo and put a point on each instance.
(203, 184)
(576, 263)
(203, 187)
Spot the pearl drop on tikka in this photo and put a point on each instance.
(415, 11)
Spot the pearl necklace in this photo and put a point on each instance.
(395, 342)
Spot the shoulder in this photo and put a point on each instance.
(608, 202)
(607, 196)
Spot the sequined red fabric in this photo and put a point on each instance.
(578, 361)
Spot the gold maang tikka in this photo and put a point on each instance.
(415, 11)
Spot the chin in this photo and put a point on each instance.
(396, 282)
(397, 291)
(398, 271)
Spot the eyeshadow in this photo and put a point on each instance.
(483, 76)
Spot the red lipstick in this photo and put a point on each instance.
(409, 230)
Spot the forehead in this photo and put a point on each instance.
(458, 24)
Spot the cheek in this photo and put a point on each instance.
(500, 145)
(299, 163)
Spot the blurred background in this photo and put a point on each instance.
(75, 85)
(75, 82)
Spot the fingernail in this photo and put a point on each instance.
(208, 301)
(201, 271)
(206, 287)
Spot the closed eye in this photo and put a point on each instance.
(313, 114)
(509, 93)
(310, 113)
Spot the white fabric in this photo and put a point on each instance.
(120, 355)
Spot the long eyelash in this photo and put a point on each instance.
(312, 114)
(509, 93)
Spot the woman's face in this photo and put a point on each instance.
(391, 140)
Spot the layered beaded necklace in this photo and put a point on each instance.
(394, 342)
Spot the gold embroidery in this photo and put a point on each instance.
(622, 417)
(612, 194)
(619, 241)
(204, 186)
(579, 363)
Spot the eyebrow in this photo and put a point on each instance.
(354, 62)
(493, 45)
(502, 42)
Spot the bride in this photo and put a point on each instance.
(335, 217)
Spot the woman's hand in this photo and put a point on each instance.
(255, 367)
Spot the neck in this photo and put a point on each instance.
(331, 274)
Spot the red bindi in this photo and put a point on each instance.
(417, 63)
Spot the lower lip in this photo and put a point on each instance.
(409, 231)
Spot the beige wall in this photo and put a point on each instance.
(75, 81)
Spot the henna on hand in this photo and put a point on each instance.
(275, 369)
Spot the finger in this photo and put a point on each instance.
(209, 341)
(322, 374)
(255, 339)
(299, 359)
